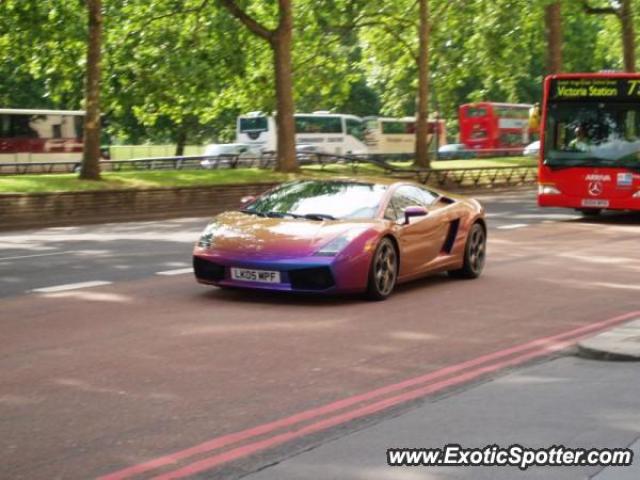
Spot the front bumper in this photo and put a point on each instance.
(314, 274)
(578, 202)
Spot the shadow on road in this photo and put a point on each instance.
(247, 296)
(611, 218)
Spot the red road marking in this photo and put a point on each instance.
(251, 448)
(545, 345)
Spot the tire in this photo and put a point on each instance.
(590, 212)
(383, 273)
(474, 254)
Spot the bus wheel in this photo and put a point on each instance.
(590, 212)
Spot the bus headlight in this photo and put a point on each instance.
(636, 195)
(546, 189)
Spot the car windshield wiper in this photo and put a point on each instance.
(252, 212)
(271, 214)
(318, 216)
(308, 216)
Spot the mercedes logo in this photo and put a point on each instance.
(595, 189)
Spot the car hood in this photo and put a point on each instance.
(259, 237)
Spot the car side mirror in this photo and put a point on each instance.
(247, 199)
(414, 211)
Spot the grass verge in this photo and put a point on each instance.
(49, 183)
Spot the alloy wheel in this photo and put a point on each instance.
(385, 268)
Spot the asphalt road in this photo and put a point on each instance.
(112, 356)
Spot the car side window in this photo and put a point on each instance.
(429, 196)
(407, 196)
(391, 213)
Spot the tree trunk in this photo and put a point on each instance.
(281, 41)
(624, 12)
(181, 141)
(553, 27)
(422, 145)
(281, 45)
(90, 169)
(628, 36)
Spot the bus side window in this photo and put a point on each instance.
(21, 127)
(5, 122)
(354, 128)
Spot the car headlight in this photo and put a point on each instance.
(339, 243)
(547, 189)
(206, 237)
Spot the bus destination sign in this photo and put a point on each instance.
(594, 88)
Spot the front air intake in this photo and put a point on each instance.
(318, 278)
(206, 270)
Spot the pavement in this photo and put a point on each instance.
(621, 343)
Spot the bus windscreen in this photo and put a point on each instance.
(253, 124)
(593, 133)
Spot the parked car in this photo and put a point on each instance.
(227, 154)
(307, 154)
(453, 151)
(532, 150)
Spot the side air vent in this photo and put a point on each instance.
(451, 236)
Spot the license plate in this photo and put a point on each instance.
(593, 202)
(247, 275)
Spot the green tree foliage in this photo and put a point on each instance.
(183, 70)
(42, 53)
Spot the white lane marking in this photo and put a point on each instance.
(71, 286)
(512, 226)
(178, 271)
(618, 285)
(32, 256)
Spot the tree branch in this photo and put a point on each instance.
(161, 16)
(254, 26)
(588, 9)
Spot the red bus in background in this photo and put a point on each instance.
(41, 135)
(590, 145)
(495, 126)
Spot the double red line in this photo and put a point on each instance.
(336, 413)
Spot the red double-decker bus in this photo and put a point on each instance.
(501, 127)
(590, 143)
(40, 135)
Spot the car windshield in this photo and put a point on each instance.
(593, 134)
(321, 200)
